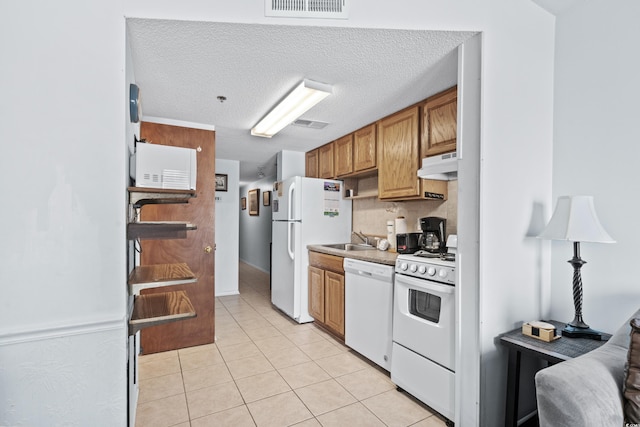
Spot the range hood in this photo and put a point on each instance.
(443, 167)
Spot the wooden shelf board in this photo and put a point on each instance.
(362, 196)
(140, 196)
(155, 276)
(157, 309)
(159, 230)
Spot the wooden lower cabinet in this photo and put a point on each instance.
(316, 293)
(334, 302)
(326, 291)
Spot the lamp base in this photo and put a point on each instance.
(574, 332)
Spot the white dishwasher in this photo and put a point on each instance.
(368, 309)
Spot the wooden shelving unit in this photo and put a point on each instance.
(364, 187)
(363, 196)
(139, 196)
(158, 308)
(159, 230)
(155, 276)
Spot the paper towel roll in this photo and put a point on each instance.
(391, 234)
(401, 225)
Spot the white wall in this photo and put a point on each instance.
(227, 228)
(515, 157)
(77, 55)
(63, 336)
(290, 163)
(596, 152)
(132, 133)
(255, 231)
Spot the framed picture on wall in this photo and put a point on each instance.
(254, 203)
(243, 203)
(266, 198)
(221, 182)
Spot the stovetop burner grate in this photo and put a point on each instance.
(443, 256)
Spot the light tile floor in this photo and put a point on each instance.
(266, 370)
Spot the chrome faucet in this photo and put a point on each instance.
(364, 238)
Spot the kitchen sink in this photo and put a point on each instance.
(349, 246)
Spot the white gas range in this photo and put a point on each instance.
(423, 352)
(427, 265)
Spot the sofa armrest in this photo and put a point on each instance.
(585, 391)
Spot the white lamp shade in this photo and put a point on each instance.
(575, 220)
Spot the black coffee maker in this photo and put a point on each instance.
(433, 234)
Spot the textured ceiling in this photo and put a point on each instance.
(181, 68)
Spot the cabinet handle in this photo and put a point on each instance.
(208, 249)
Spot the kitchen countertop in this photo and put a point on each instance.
(370, 255)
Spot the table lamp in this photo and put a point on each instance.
(575, 220)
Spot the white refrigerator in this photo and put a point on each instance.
(306, 211)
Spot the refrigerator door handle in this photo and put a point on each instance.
(290, 247)
(292, 187)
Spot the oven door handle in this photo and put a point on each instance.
(424, 285)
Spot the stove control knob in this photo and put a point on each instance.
(442, 273)
(431, 271)
(413, 268)
(403, 266)
(422, 269)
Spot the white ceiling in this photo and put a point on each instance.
(181, 67)
(557, 7)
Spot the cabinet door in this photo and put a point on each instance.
(334, 301)
(439, 121)
(398, 155)
(343, 148)
(325, 161)
(316, 293)
(312, 164)
(364, 148)
(200, 211)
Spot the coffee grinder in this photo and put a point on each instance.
(433, 238)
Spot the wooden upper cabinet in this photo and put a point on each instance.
(399, 155)
(311, 169)
(439, 123)
(325, 161)
(343, 150)
(395, 147)
(364, 148)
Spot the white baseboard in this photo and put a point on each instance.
(224, 294)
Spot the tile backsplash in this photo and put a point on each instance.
(370, 215)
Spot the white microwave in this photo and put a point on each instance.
(164, 166)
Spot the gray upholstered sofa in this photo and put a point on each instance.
(586, 391)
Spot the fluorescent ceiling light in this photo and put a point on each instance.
(299, 101)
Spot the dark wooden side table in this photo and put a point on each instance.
(553, 352)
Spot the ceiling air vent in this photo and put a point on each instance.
(336, 9)
(310, 124)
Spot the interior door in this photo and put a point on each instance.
(196, 250)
